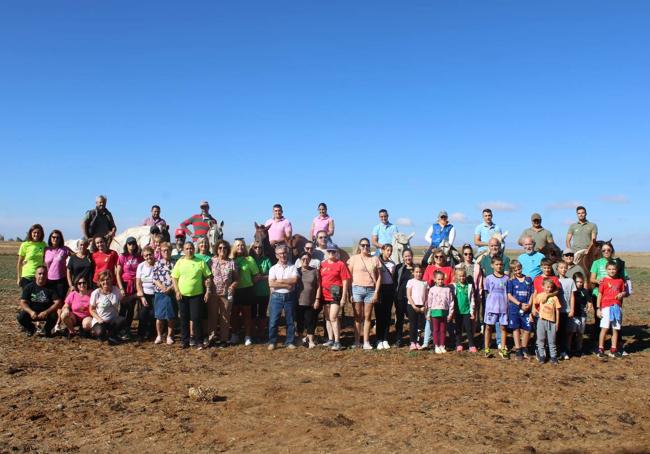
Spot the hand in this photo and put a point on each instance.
(450, 318)
(122, 292)
(42, 316)
(33, 315)
(206, 297)
(18, 281)
(599, 312)
(620, 296)
(178, 296)
(571, 314)
(144, 302)
(317, 304)
(374, 300)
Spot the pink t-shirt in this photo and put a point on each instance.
(55, 262)
(78, 304)
(418, 291)
(320, 224)
(129, 264)
(278, 229)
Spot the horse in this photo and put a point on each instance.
(586, 257)
(141, 233)
(452, 254)
(552, 252)
(214, 234)
(298, 246)
(401, 243)
(261, 236)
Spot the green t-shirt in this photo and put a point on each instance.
(462, 300)
(486, 264)
(582, 234)
(190, 274)
(247, 268)
(32, 253)
(262, 287)
(599, 268)
(205, 257)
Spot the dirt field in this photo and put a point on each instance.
(59, 395)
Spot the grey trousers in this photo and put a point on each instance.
(546, 331)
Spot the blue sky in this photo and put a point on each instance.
(412, 106)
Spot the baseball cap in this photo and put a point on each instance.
(442, 213)
(179, 232)
(204, 203)
(332, 247)
(131, 240)
(568, 251)
(535, 216)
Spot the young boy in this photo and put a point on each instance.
(496, 307)
(582, 298)
(520, 291)
(464, 308)
(567, 299)
(548, 309)
(547, 271)
(610, 302)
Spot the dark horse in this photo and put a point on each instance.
(552, 252)
(262, 236)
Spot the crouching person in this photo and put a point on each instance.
(38, 303)
(105, 309)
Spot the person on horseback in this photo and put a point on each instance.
(438, 232)
(156, 221)
(200, 222)
(323, 222)
(383, 232)
(99, 222)
(484, 231)
(581, 233)
(539, 234)
(279, 229)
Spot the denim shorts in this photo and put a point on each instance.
(362, 294)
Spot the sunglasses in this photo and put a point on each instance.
(438, 256)
(223, 247)
(81, 282)
(308, 248)
(364, 245)
(568, 255)
(467, 254)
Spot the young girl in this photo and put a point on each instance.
(520, 290)
(441, 310)
(416, 292)
(464, 308)
(547, 308)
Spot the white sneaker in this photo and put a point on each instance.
(158, 340)
(367, 346)
(248, 341)
(170, 340)
(386, 345)
(443, 349)
(380, 345)
(437, 350)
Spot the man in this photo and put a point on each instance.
(38, 303)
(383, 232)
(485, 231)
(531, 259)
(282, 281)
(572, 268)
(494, 250)
(177, 252)
(539, 234)
(280, 229)
(582, 233)
(99, 222)
(200, 222)
(314, 262)
(155, 219)
(322, 241)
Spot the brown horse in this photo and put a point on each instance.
(586, 257)
(262, 236)
(552, 252)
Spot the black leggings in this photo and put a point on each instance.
(306, 317)
(382, 311)
(190, 309)
(401, 308)
(147, 321)
(416, 322)
(103, 331)
(127, 309)
(259, 308)
(464, 323)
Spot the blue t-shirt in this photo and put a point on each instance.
(497, 300)
(531, 264)
(485, 232)
(384, 232)
(521, 290)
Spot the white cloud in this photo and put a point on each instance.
(563, 205)
(405, 222)
(498, 205)
(459, 218)
(615, 198)
(568, 221)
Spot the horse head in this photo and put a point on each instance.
(552, 251)
(215, 233)
(401, 243)
(261, 236)
(452, 254)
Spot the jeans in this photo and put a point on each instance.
(546, 332)
(190, 309)
(278, 303)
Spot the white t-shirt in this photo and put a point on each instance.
(145, 274)
(106, 306)
(419, 290)
(278, 272)
(568, 287)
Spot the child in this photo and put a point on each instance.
(547, 271)
(611, 291)
(416, 292)
(496, 307)
(548, 309)
(579, 320)
(464, 308)
(567, 300)
(441, 310)
(520, 291)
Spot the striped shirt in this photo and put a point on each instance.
(199, 223)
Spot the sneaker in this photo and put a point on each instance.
(488, 353)
(459, 348)
(386, 345)
(554, 361)
(436, 350)
(612, 354)
(419, 346)
(525, 354)
(170, 340)
(271, 347)
(328, 344)
(624, 353)
(248, 341)
(504, 353)
(618, 355)
(473, 350)
(413, 346)
(566, 356)
(304, 340)
(192, 342)
(200, 347)
(398, 343)
(112, 340)
(290, 346)
(443, 349)
(206, 343)
(336, 346)
(158, 340)
(600, 353)
(234, 339)
(367, 346)
(380, 345)
(356, 345)
(541, 359)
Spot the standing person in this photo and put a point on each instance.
(547, 308)
(56, 254)
(439, 231)
(582, 306)
(156, 221)
(386, 297)
(244, 296)
(282, 281)
(334, 278)
(429, 276)
(567, 311)
(475, 276)
(38, 303)
(416, 292)
(323, 222)
(441, 310)
(224, 283)
(383, 232)
(99, 222)
(127, 266)
(309, 297)
(496, 307)
(541, 237)
(190, 279)
(200, 223)
(280, 229)
(30, 255)
(581, 233)
(104, 306)
(164, 305)
(179, 237)
(464, 309)
(76, 312)
(531, 259)
(104, 259)
(80, 264)
(309, 249)
(260, 304)
(485, 230)
(320, 252)
(203, 249)
(494, 250)
(403, 273)
(146, 292)
(520, 291)
(610, 309)
(573, 268)
(366, 282)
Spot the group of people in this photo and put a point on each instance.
(242, 292)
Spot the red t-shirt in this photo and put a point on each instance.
(431, 270)
(104, 261)
(332, 273)
(609, 288)
(538, 283)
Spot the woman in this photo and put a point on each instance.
(474, 274)
(334, 278)
(127, 266)
(403, 272)
(366, 282)
(323, 222)
(103, 259)
(104, 307)
(439, 231)
(439, 264)
(56, 254)
(386, 297)
(203, 249)
(80, 264)
(145, 292)
(191, 280)
(30, 255)
(76, 310)
(224, 283)
(244, 296)
(309, 295)
(262, 291)
(164, 304)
